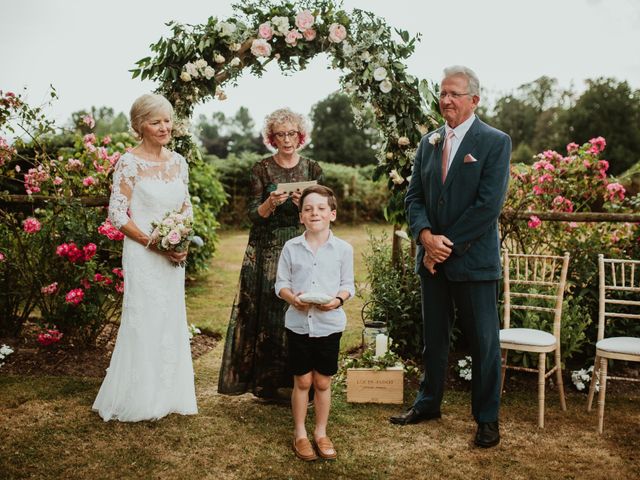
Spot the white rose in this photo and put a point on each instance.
(226, 29)
(385, 86)
(209, 73)
(218, 58)
(281, 25)
(348, 49)
(235, 62)
(191, 69)
(234, 47)
(185, 77)
(435, 138)
(201, 63)
(389, 155)
(365, 56)
(380, 74)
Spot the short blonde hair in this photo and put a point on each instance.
(285, 115)
(145, 106)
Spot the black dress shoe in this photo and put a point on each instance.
(413, 416)
(488, 435)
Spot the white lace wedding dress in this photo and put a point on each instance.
(151, 372)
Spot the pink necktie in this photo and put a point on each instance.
(446, 151)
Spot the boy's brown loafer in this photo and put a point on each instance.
(303, 449)
(325, 448)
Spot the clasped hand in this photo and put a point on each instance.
(437, 249)
(173, 256)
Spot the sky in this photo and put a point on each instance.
(84, 48)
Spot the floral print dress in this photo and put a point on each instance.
(255, 352)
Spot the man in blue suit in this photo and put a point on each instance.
(458, 185)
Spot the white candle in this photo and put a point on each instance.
(381, 344)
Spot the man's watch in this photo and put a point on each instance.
(341, 300)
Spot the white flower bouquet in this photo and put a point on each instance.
(173, 233)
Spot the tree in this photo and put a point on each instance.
(610, 109)
(106, 121)
(335, 136)
(221, 135)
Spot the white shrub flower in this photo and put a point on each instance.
(226, 29)
(385, 86)
(235, 62)
(281, 25)
(380, 74)
(209, 72)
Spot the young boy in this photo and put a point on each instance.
(317, 263)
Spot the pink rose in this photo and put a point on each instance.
(2, 257)
(57, 181)
(89, 251)
(119, 287)
(615, 191)
(89, 121)
(292, 37)
(260, 48)
(118, 272)
(337, 33)
(74, 296)
(534, 222)
(49, 337)
(88, 181)
(31, 225)
(597, 145)
(572, 147)
(174, 237)
(89, 138)
(309, 34)
(304, 20)
(106, 140)
(50, 289)
(265, 31)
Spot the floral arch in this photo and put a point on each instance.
(198, 61)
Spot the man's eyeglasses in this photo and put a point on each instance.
(453, 95)
(283, 135)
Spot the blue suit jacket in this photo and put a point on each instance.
(466, 207)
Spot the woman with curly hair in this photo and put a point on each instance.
(254, 358)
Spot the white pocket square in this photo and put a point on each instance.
(468, 158)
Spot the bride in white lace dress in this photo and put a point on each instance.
(151, 372)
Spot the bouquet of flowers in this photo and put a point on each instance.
(173, 233)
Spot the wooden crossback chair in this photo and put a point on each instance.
(619, 297)
(531, 281)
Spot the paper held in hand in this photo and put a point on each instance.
(294, 186)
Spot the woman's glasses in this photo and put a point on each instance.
(283, 135)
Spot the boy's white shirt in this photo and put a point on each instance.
(328, 271)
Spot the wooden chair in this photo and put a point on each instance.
(619, 289)
(531, 281)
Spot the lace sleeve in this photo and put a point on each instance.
(187, 208)
(123, 183)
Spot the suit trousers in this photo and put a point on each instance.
(476, 309)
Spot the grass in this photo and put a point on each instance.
(49, 432)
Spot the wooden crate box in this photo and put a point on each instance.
(367, 385)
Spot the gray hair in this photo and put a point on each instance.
(285, 115)
(145, 106)
(470, 75)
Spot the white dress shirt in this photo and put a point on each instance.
(458, 135)
(328, 271)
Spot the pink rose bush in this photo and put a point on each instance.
(74, 296)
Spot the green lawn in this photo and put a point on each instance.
(49, 432)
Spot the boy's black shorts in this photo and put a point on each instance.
(313, 353)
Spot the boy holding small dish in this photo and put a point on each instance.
(315, 276)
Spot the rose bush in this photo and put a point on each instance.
(573, 182)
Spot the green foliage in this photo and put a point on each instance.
(395, 294)
(208, 198)
(336, 138)
(359, 198)
(221, 135)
